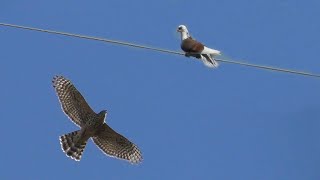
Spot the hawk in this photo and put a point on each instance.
(91, 125)
(196, 49)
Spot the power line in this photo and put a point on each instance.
(155, 49)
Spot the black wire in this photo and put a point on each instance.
(157, 49)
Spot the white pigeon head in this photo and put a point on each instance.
(182, 28)
(184, 32)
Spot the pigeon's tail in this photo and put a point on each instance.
(209, 61)
(72, 146)
(210, 51)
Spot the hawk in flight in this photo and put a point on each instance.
(91, 125)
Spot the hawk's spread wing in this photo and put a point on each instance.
(72, 102)
(115, 145)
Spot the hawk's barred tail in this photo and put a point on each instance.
(72, 148)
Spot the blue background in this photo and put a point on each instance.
(190, 122)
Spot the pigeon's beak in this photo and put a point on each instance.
(178, 30)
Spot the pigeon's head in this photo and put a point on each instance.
(182, 28)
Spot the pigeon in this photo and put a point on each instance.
(196, 49)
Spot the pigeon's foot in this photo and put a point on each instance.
(187, 54)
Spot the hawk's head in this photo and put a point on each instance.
(103, 113)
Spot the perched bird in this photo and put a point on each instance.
(196, 49)
(91, 125)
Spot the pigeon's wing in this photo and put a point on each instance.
(72, 102)
(190, 45)
(115, 145)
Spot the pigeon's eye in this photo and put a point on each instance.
(180, 28)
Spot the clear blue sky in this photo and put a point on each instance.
(190, 122)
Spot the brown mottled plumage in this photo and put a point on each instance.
(92, 126)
